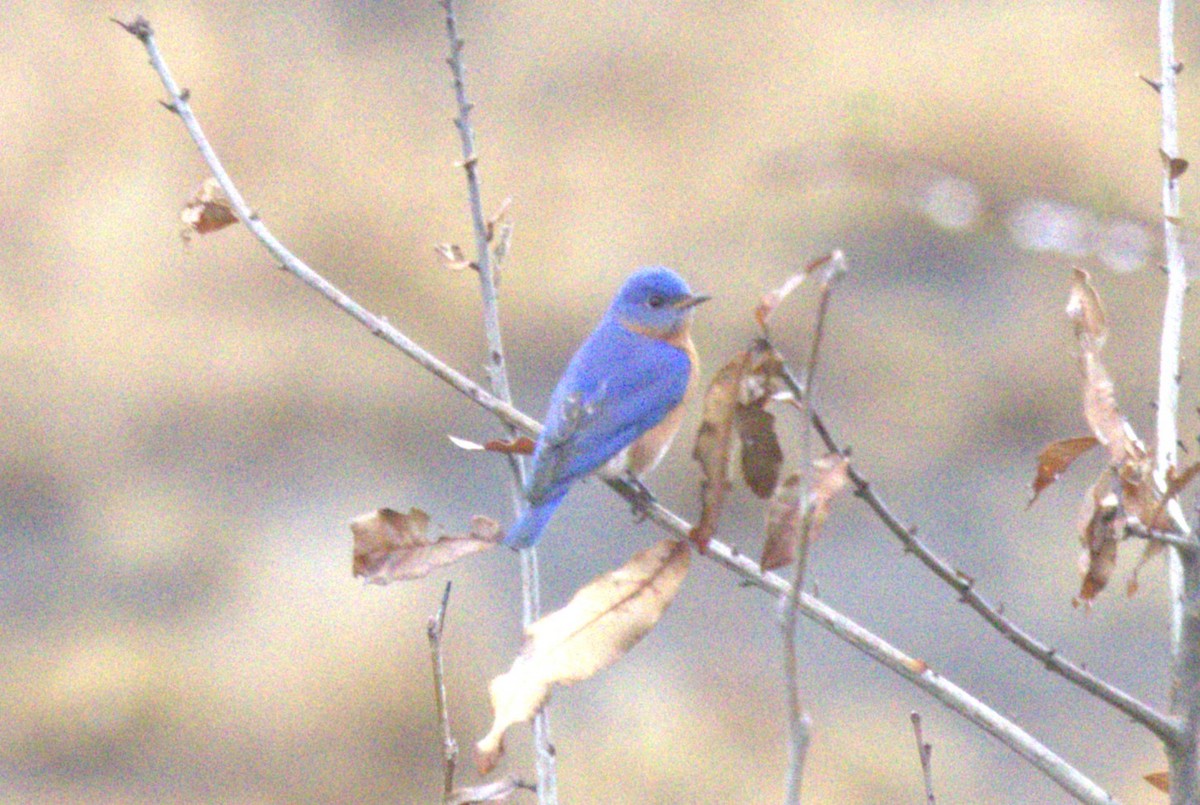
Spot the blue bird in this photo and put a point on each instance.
(621, 399)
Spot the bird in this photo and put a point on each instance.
(620, 400)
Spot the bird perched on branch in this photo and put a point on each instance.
(620, 401)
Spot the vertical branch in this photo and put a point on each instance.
(799, 723)
(925, 754)
(498, 374)
(1183, 566)
(449, 746)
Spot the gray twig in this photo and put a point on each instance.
(498, 375)
(1183, 567)
(925, 753)
(434, 630)
(842, 627)
(799, 722)
(1160, 724)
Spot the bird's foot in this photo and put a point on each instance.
(643, 498)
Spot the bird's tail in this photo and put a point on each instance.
(527, 530)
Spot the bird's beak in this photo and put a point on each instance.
(691, 301)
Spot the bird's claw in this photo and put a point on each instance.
(643, 499)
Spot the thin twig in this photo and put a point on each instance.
(434, 630)
(1160, 724)
(915, 671)
(799, 722)
(925, 753)
(1183, 568)
(498, 375)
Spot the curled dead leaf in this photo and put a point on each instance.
(390, 546)
(831, 474)
(1055, 458)
(835, 263)
(207, 210)
(792, 516)
(521, 446)
(712, 444)
(597, 627)
(1160, 780)
(1175, 166)
(761, 452)
(784, 519)
(1100, 529)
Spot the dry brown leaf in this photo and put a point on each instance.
(1100, 528)
(785, 517)
(761, 452)
(1176, 166)
(788, 519)
(1101, 411)
(522, 445)
(390, 546)
(596, 628)
(762, 455)
(495, 791)
(1055, 458)
(1160, 780)
(207, 210)
(831, 475)
(713, 443)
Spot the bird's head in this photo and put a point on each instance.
(656, 302)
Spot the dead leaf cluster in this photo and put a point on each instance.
(1125, 492)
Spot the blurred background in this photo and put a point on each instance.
(187, 431)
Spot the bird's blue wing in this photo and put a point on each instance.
(619, 385)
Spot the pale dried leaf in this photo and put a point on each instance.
(596, 628)
(830, 478)
(1055, 458)
(712, 445)
(390, 546)
(773, 298)
(1085, 310)
(785, 517)
(1101, 411)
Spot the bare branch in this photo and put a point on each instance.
(498, 375)
(914, 670)
(1183, 568)
(925, 753)
(434, 630)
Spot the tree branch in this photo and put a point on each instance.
(914, 670)
(1161, 725)
(433, 630)
(498, 375)
(1183, 568)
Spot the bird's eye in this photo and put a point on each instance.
(655, 301)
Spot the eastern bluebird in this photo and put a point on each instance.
(621, 398)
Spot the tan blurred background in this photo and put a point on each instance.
(187, 430)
